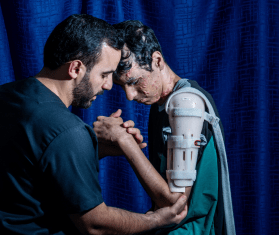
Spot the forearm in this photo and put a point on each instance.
(109, 220)
(124, 222)
(151, 180)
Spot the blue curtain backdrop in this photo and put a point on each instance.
(229, 46)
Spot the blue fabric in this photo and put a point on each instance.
(229, 47)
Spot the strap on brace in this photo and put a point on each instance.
(185, 112)
(177, 141)
(181, 175)
(212, 119)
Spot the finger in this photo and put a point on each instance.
(99, 118)
(142, 145)
(182, 215)
(138, 138)
(149, 212)
(96, 124)
(136, 133)
(120, 120)
(133, 131)
(116, 114)
(128, 124)
(179, 206)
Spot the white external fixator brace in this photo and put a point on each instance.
(179, 109)
(186, 117)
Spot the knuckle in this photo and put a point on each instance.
(173, 214)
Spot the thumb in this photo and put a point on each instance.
(116, 114)
(179, 206)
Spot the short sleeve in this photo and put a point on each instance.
(70, 169)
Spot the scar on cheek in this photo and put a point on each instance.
(165, 93)
(153, 84)
(128, 73)
(144, 81)
(144, 84)
(157, 99)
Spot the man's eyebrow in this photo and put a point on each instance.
(108, 72)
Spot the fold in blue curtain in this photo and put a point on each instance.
(230, 47)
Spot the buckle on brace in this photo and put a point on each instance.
(214, 120)
(197, 143)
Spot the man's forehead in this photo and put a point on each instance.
(118, 81)
(123, 78)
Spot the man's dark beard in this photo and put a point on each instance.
(83, 93)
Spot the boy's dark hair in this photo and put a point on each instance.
(142, 43)
(79, 37)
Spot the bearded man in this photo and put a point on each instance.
(49, 156)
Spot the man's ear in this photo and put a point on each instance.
(76, 69)
(158, 60)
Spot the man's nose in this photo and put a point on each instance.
(130, 92)
(108, 83)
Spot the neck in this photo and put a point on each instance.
(57, 82)
(168, 83)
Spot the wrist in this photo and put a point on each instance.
(154, 219)
(126, 140)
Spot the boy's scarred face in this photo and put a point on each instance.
(141, 85)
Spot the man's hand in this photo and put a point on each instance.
(172, 215)
(110, 130)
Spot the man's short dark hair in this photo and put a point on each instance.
(79, 37)
(142, 43)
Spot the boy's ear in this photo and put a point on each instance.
(158, 60)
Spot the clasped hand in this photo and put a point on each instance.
(110, 130)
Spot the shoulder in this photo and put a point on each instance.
(195, 85)
(50, 120)
(183, 83)
(76, 142)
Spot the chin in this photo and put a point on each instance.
(148, 102)
(83, 105)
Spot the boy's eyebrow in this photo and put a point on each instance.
(130, 80)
